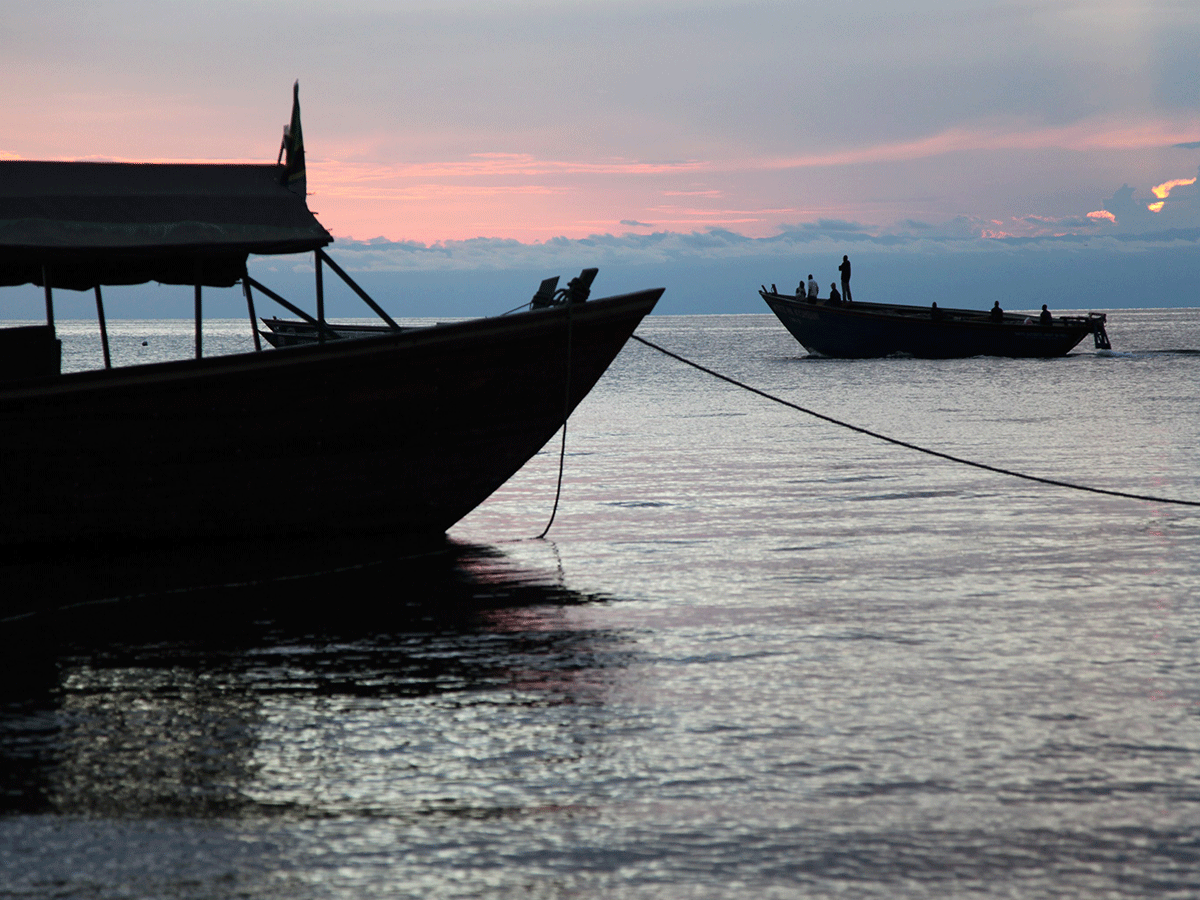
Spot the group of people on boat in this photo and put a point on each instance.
(812, 293)
(997, 314)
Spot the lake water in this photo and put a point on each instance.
(757, 656)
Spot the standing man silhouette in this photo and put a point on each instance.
(844, 268)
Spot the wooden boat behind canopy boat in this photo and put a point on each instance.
(292, 332)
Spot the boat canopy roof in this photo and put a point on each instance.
(97, 223)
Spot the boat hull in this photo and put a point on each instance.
(399, 434)
(296, 332)
(866, 330)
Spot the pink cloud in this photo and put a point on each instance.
(495, 165)
(1091, 135)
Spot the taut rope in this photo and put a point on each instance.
(891, 440)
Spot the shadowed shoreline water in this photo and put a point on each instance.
(205, 657)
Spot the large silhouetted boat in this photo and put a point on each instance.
(402, 432)
(862, 330)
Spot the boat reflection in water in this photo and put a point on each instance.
(254, 699)
(225, 586)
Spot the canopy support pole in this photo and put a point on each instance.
(321, 254)
(103, 328)
(253, 317)
(320, 299)
(49, 295)
(199, 279)
(198, 342)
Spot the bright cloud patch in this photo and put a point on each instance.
(1162, 191)
(1102, 214)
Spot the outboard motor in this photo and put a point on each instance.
(580, 287)
(545, 294)
(576, 291)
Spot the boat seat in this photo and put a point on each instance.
(29, 351)
(545, 293)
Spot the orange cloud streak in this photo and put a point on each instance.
(1162, 191)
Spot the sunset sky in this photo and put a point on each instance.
(459, 134)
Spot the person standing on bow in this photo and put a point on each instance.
(844, 268)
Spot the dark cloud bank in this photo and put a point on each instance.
(710, 272)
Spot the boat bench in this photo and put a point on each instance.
(29, 351)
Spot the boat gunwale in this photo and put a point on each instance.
(316, 354)
(947, 315)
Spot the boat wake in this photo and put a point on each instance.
(1148, 354)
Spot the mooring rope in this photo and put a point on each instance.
(899, 443)
(562, 450)
(562, 453)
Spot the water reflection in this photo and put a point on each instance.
(402, 687)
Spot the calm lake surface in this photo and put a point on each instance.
(757, 656)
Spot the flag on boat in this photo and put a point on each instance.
(293, 149)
